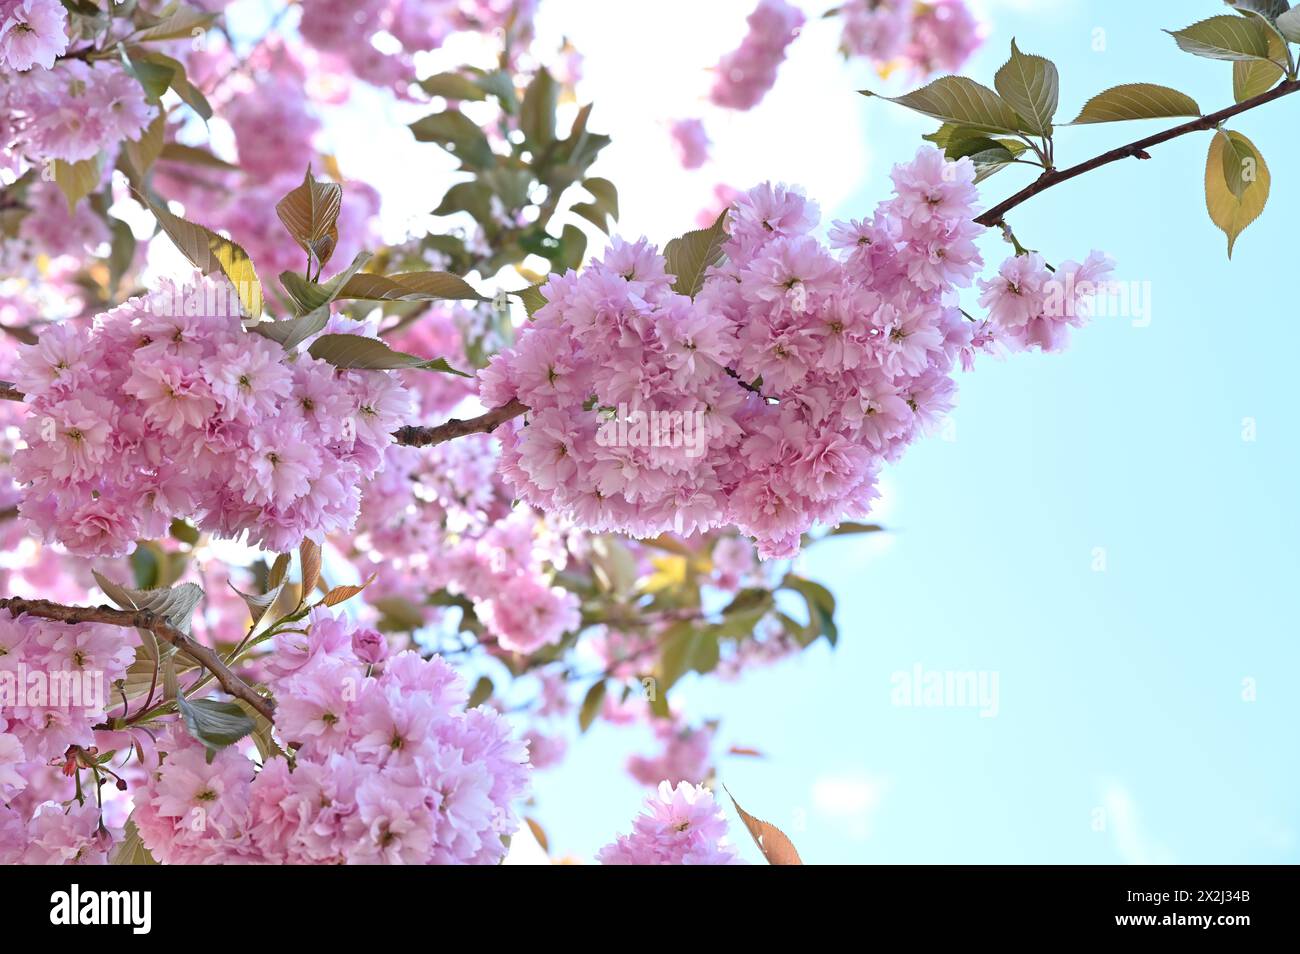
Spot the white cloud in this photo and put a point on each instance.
(849, 800)
(1134, 845)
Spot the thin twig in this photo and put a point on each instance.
(414, 436)
(144, 619)
(994, 216)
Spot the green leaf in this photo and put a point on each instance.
(1032, 85)
(311, 214)
(187, 91)
(354, 351)
(1288, 24)
(122, 255)
(174, 604)
(263, 737)
(209, 253)
(312, 296)
(1224, 38)
(605, 194)
(453, 86)
(571, 248)
(1268, 9)
(458, 134)
(689, 257)
(1240, 164)
(482, 692)
(259, 603)
(592, 214)
(409, 286)
(537, 112)
(853, 528)
(131, 850)
(76, 180)
(532, 298)
(1229, 211)
(472, 197)
(1250, 78)
(140, 154)
(962, 101)
(183, 531)
(155, 78)
(194, 156)
(291, 332)
(215, 724)
(181, 24)
(676, 654)
(591, 704)
(1136, 101)
(821, 606)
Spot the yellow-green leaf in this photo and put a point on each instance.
(356, 352)
(1032, 85)
(1136, 101)
(1250, 78)
(210, 253)
(1231, 212)
(956, 99)
(1224, 37)
(76, 180)
(409, 286)
(689, 257)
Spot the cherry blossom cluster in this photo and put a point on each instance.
(743, 77)
(927, 37)
(69, 112)
(273, 445)
(1031, 306)
(770, 400)
(32, 33)
(344, 31)
(388, 767)
(56, 683)
(691, 142)
(680, 825)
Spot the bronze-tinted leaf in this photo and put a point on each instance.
(340, 593)
(311, 214)
(772, 841)
(310, 556)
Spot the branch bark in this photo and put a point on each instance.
(411, 435)
(994, 216)
(414, 436)
(143, 619)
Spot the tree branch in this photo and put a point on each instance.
(994, 216)
(143, 619)
(414, 436)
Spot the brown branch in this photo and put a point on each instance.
(994, 216)
(144, 619)
(414, 436)
(10, 393)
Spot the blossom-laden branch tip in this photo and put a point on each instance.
(143, 619)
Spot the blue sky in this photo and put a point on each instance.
(1122, 734)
